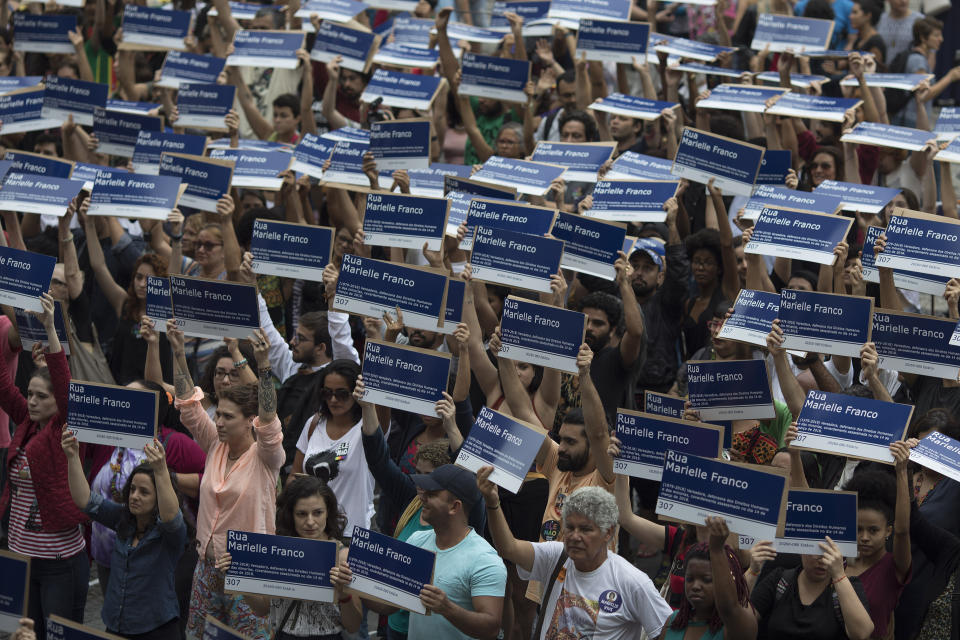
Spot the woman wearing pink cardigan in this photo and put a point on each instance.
(239, 486)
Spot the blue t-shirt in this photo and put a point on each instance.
(468, 569)
(841, 20)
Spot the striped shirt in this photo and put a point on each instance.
(26, 535)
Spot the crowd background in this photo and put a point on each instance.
(271, 434)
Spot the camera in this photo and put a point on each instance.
(323, 466)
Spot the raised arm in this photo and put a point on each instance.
(79, 488)
(114, 293)
(856, 620)
(594, 417)
(519, 552)
(649, 534)
(513, 391)
(731, 280)
(260, 125)
(483, 369)
(792, 391)
(308, 123)
(738, 618)
(902, 558)
(167, 503)
(328, 107)
(631, 346)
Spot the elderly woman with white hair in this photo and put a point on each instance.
(588, 592)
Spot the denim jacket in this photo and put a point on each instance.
(140, 595)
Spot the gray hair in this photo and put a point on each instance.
(595, 504)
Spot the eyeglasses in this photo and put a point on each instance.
(821, 165)
(299, 337)
(339, 394)
(703, 264)
(208, 246)
(233, 374)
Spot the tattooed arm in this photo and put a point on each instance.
(182, 382)
(188, 397)
(269, 434)
(266, 392)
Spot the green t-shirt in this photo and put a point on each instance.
(489, 128)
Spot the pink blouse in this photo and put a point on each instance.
(243, 499)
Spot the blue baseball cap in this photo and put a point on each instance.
(653, 247)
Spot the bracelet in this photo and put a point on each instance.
(239, 364)
(177, 237)
(840, 579)
(67, 239)
(752, 572)
(347, 599)
(493, 508)
(265, 370)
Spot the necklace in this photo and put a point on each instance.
(230, 457)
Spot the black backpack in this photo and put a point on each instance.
(897, 99)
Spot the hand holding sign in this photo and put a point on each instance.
(69, 443)
(489, 491)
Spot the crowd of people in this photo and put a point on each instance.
(271, 434)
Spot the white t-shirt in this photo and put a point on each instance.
(615, 601)
(350, 478)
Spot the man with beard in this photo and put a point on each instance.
(579, 458)
(617, 361)
(660, 275)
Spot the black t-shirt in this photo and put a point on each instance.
(615, 382)
(786, 618)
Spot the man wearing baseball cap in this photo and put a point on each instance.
(660, 273)
(466, 597)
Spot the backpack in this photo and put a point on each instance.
(897, 99)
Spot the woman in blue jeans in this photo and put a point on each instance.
(141, 601)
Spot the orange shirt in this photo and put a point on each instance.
(245, 499)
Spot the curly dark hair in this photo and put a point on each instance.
(876, 490)
(708, 239)
(206, 382)
(609, 304)
(131, 306)
(307, 487)
(936, 419)
(590, 129)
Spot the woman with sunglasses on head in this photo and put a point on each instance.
(331, 446)
(244, 446)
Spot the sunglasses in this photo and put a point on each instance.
(339, 394)
(208, 246)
